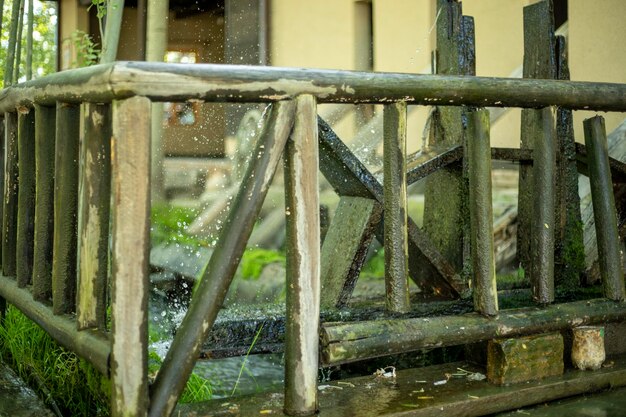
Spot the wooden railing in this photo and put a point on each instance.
(55, 268)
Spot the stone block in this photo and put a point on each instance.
(525, 358)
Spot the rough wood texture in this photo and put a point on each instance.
(231, 83)
(2, 174)
(25, 197)
(93, 220)
(213, 286)
(44, 208)
(66, 204)
(542, 222)
(303, 261)
(446, 216)
(430, 161)
(395, 204)
(539, 62)
(349, 342)
(604, 209)
(9, 211)
(524, 359)
(130, 171)
(345, 247)
(481, 214)
(569, 256)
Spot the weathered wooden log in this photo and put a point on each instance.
(395, 205)
(130, 174)
(45, 121)
(212, 288)
(430, 161)
(481, 214)
(542, 222)
(9, 211)
(345, 248)
(539, 62)
(231, 83)
(303, 261)
(25, 196)
(66, 208)
(349, 342)
(604, 209)
(93, 222)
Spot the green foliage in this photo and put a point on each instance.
(44, 39)
(375, 266)
(169, 225)
(87, 51)
(197, 388)
(58, 375)
(255, 259)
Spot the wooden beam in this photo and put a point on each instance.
(11, 186)
(25, 196)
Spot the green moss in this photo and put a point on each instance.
(375, 266)
(169, 225)
(255, 259)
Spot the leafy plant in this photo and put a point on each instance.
(87, 51)
(169, 225)
(197, 388)
(255, 259)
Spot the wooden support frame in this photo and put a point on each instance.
(395, 204)
(11, 186)
(24, 245)
(303, 261)
(130, 171)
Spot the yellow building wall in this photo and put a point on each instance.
(597, 50)
(72, 18)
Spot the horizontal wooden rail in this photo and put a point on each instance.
(233, 83)
(94, 346)
(350, 342)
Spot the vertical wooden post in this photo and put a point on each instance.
(539, 62)
(604, 208)
(481, 213)
(446, 217)
(303, 261)
(44, 208)
(542, 248)
(9, 211)
(93, 218)
(130, 169)
(395, 215)
(218, 274)
(2, 168)
(569, 257)
(65, 208)
(26, 196)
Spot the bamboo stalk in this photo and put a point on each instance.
(18, 47)
(481, 216)
(44, 198)
(93, 218)
(29, 41)
(544, 193)
(604, 213)
(303, 261)
(11, 186)
(218, 274)
(349, 342)
(229, 83)
(115, 11)
(130, 172)
(9, 65)
(395, 204)
(25, 196)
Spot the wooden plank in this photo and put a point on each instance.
(542, 223)
(9, 211)
(345, 247)
(66, 207)
(44, 208)
(481, 213)
(2, 173)
(446, 216)
(303, 261)
(213, 286)
(395, 204)
(349, 342)
(93, 219)
(25, 196)
(130, 171)
(569, 256)
(430, 161)
(539, 62)
(618, 168)
(604, 209)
